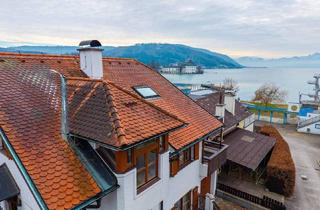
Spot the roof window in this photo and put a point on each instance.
(146, 92)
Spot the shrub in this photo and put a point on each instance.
(280, 168)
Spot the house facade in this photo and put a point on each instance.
(188, 67)
(86, 132)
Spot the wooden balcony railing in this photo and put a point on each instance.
(214, 154)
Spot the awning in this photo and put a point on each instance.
(8, 187)
(248, 148)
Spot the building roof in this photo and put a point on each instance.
(30, 115)
(8, 187)
(130, 73)
(209, 102)
(241, 112)
(247, 148)
(104, 112)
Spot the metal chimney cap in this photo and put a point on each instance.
(90, 43)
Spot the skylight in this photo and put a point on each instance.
(146, 92)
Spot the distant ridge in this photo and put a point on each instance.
(150, 54)
(312, 60)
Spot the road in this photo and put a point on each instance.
(305, 150)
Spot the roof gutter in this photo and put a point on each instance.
(214, 132)
(127, 146)
(24, 172)
(95, 198)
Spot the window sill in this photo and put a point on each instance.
(147, 185)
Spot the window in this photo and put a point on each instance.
(184, 203)
(186, 156)
(147, 164)
(146, 92)
(317, 126)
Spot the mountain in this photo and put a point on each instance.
(167, 54)
(312, 60)
(160, 54)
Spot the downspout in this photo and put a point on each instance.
(24, 172)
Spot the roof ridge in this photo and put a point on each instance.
(45, 55)
(114, 114)
(115, 118)
(40, 55)
(147, 102)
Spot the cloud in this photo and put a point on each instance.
(245, 27)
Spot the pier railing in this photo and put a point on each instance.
(309, 121)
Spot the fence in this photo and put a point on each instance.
(265, 201)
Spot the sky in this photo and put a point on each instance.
(265, 28)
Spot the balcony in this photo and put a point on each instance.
(214, 154)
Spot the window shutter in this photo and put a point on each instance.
(174, 166)
(195, 198)
(196, 151)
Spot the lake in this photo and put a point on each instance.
(293, 80)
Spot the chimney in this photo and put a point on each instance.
(220, 110)
(229, 100)
(91, 58)
(220, 107)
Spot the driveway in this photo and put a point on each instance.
(305, 150)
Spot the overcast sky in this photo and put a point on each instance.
(268, 28)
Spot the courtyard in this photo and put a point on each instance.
(305, 150)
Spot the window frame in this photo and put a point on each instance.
(136, 89)
(145, 151)
(179, 205)
(187, 157)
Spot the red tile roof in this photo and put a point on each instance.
(104, 112)
(30, 115)
(130, 73)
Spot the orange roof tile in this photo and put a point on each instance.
(130, 73)
(104, 112)
(30, 117)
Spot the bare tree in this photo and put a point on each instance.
(230, 84)
(269, 93)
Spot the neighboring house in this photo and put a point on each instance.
(188, 67)
(86, 132)
(310, 123)
(173, 69)
(248, 152)
(229, 109)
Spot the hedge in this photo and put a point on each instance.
(281, 173)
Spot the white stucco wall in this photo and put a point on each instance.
(27, 200)
(167, 190)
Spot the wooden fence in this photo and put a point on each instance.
(265, 201)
